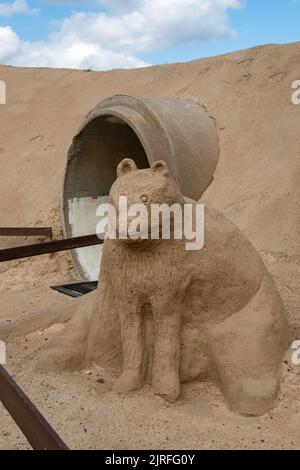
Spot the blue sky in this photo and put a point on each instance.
(104, 34)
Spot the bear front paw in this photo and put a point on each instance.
(128, 381)
(168, 386)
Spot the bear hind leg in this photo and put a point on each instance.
(246, 353)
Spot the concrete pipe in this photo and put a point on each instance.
(145, 129)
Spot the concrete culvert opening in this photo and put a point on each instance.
(100, 148)
(146, 130)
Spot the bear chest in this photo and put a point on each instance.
(145, 275)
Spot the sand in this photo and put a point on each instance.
(256, 185)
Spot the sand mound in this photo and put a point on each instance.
(248, 93)
(257, 182)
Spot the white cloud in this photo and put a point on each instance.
(117, 36)
(9, 43)
(119, 6)
(16, 7)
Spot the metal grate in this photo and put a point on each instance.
(77, 289)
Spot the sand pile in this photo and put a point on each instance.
(257, 182)
(248, 93)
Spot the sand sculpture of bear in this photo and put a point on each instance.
(173, 315)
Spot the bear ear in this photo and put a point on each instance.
(126, 166)
(161, 167)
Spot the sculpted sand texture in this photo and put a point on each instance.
(178, 315)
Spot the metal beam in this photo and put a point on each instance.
(25, 231)
(27, 251)
(38, 432)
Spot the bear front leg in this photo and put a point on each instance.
(166, 358)
(132, 377)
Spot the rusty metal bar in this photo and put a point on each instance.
(27, 251)
(25, 231)
(38, 432)
(31, 422)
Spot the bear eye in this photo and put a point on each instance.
(144, 198)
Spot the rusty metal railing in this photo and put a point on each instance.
(31, 422)
(38, 432)
(26, 251)
(25, 232)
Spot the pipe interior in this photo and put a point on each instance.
(98, 149)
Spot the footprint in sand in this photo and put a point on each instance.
(49, 147)
(37, 137)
